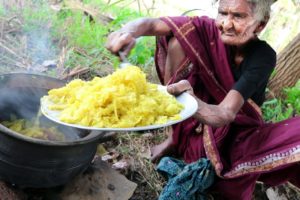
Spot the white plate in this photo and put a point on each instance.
(188, 101)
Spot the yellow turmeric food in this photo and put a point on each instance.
(32, 129)
(121, 100)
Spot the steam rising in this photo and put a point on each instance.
(40, 49)
(25, 38)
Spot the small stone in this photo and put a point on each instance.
(111, 187)
(49, 63)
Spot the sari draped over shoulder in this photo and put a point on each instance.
(244, 151)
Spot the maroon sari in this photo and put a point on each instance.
(244, 151)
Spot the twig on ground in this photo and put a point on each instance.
(61, 61)
(76, 72)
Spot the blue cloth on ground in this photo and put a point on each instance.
(186, 181)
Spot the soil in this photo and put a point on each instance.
(143, 190)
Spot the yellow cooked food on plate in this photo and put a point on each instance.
(123, 99)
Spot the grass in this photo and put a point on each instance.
(86, 38)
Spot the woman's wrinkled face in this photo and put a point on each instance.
(236, 22)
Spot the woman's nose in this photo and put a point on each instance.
(227, 23)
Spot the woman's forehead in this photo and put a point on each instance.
(235, 5)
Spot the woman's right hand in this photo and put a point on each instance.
(120, 41)
(124, 39)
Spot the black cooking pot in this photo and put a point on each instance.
(37, 163)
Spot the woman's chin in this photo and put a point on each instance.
(229, 42)
(226, 38)
(232, 42)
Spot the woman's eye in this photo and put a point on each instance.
(222, 13)
(239, 16)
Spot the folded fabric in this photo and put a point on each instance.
(185, 181)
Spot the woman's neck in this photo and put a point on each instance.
(240, 50)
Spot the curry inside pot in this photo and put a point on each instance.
(20, 113)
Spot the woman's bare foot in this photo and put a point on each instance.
(162, 149)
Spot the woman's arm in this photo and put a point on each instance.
(124, 39)
(213, 115)
(146, 26)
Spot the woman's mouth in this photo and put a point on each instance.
(229, 34)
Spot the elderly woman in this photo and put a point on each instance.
(224, 64)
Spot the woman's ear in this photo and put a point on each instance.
(261, 25)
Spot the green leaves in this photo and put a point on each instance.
(293, 97)
(143, 52)
(279, 109)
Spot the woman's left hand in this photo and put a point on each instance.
(180, 87)
(213, 115)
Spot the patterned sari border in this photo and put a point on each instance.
(187, 28)
(211, 151)
(266, 163)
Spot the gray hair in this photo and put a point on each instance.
(261, 8)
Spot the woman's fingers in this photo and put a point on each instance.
(120, 41)
(114, 42)
(180, 87)
(126, 49)
(110, 41)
